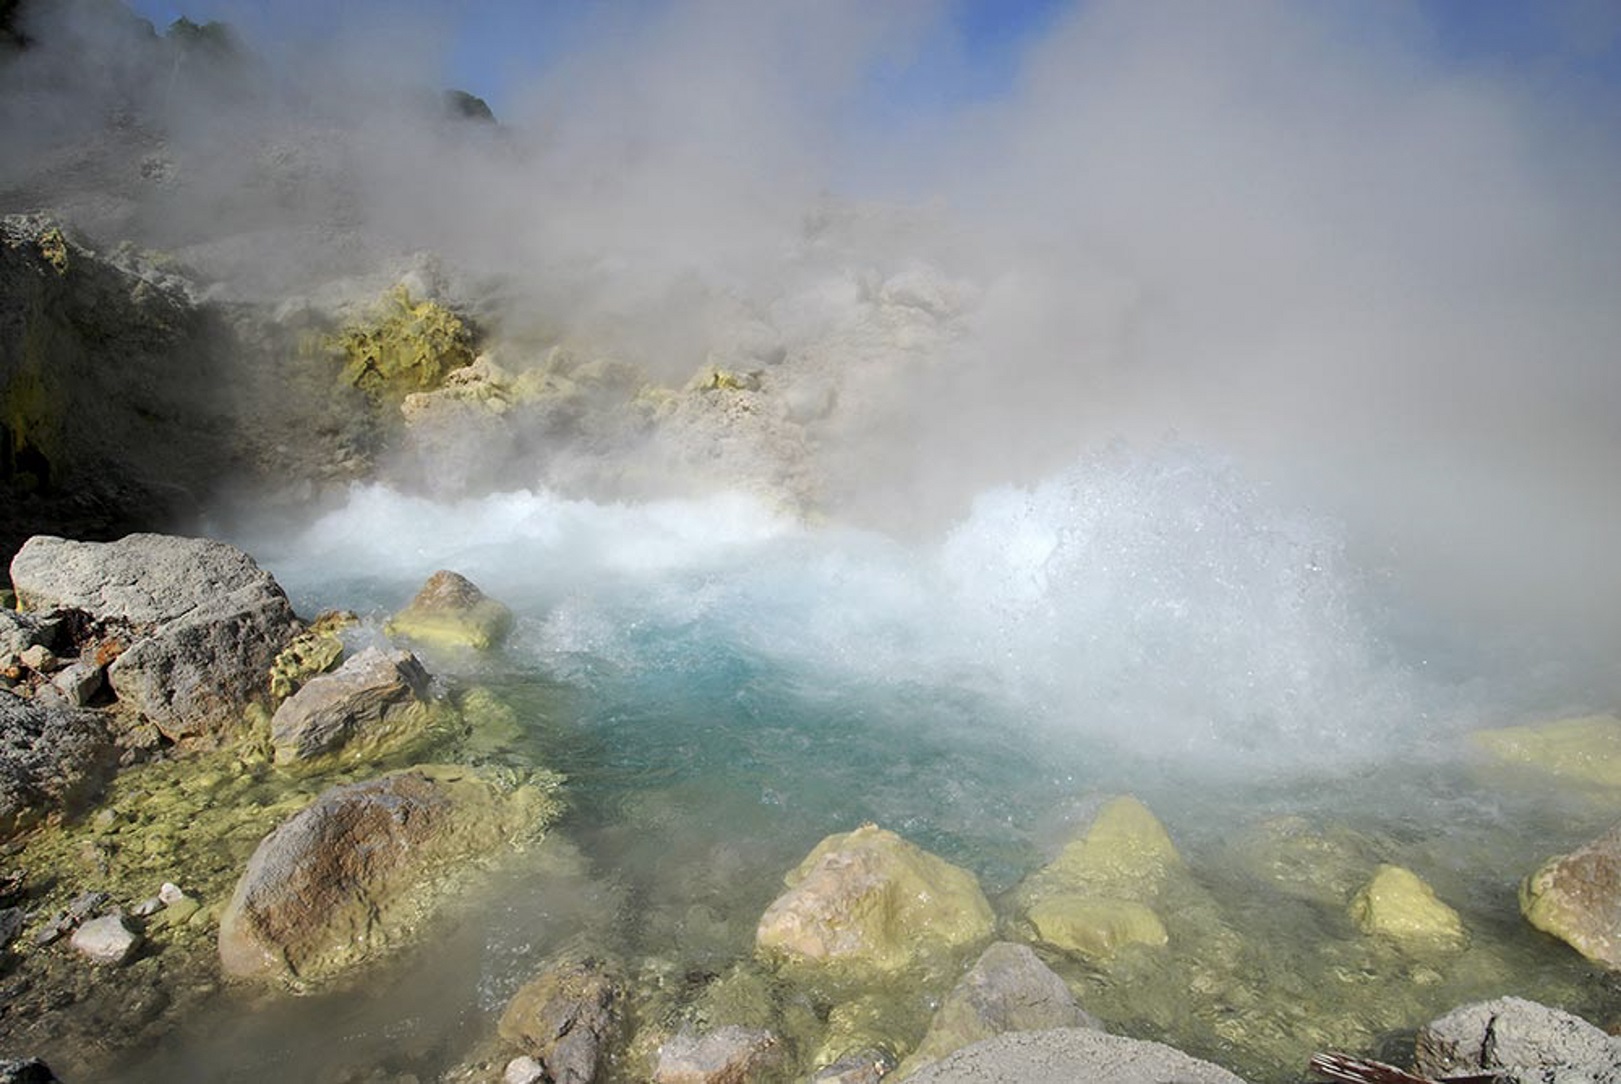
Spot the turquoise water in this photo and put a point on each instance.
(724, 687)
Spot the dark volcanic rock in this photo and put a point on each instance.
(205, 621)
(51, 760)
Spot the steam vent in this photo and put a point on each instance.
(712, 542)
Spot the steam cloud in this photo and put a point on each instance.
(1382, 275)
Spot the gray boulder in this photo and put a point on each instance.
(371, 701)
(205, 622)
(1066, 1055)
(1007, 989)
(51, 760)
(1525, 1042)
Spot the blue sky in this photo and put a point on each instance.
(974, 54)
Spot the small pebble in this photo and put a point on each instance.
(524, 1070)
(150, 906)
(170, 894)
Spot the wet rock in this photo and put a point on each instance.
(353, 874)
(52, 761)
(106, 940)
(728, 1055)
(1586, 750)
(26, 1071)
(566, 1018)
(1065, 1055)
(1099, 894)
(872, 900)
(1577, 898)
(450, 611)
(1007, 989)
(1398, 905)
(206, 622)
(861, 1067)
(372, 702)
(1524, 1042)
(310, 653)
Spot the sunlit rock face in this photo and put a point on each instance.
(450, 611)
(870, 900)
(352, 875)
(372, 704)
(1576, 897)
(1398, 905)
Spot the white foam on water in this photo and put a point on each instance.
(1158, 602)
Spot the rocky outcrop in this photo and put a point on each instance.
(1398, 905)
(1520, 1041)
(1007, 989)
(373, 703)
(870, 900)
(728, 1055)
(1099, 893)
(353, 874)
(52, 760)
(566, 1019)
(1065, 1055)
(1577, 898)
(450, 611)
(204, 622)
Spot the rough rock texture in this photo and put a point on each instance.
(451, 611)
(1398, 905)
(728, 1055)
(26, 1071)
(106, 940)
(347, 877)
(372, 702)
(1586, 750)
(1007, 989)
(565, 1017)
(20, 631)
(205, 621)
(1099, 893)
(870, 899)
(1577, 898)
(1528, 1043)
(51, 760)
(1067, 1055)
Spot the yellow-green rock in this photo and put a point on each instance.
(870, 900)
(1586, 749)
(1398, 905)
(1576, 897)
(403, 346)
(309, 654)
(450, 611)
(1095, 926)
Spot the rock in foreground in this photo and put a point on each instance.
(51, 760)
(1067, 1055)
(565, 1018)
(871, 900)
(1577, 898)
(1522, 1041)
(370, 703)
(205, 622)
(351, 875)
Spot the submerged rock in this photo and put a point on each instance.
(205, 621)
(451, 611)
(373, 702)
(1586, 750)
(52, 760)
(728, 1055)
(351, 875)
(1066, 1055)
(870, 899)
(1577, 898)
(1098, 895)
(1398, 905)
(565, 1017)
(1007, 989)
(1521, 1041)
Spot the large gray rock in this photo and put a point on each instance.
(51, 760)
(1066, 1055)
(353, 874)
(1525, 1042)
(205, 621)
(372, 701)
(1007, 989)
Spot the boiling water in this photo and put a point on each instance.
(724, 687)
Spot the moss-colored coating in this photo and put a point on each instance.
(309, 654)
(1584, 750)
(404, 346)
(53, 248)
(1398, 905)
(1095, 926)
(451, 612)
